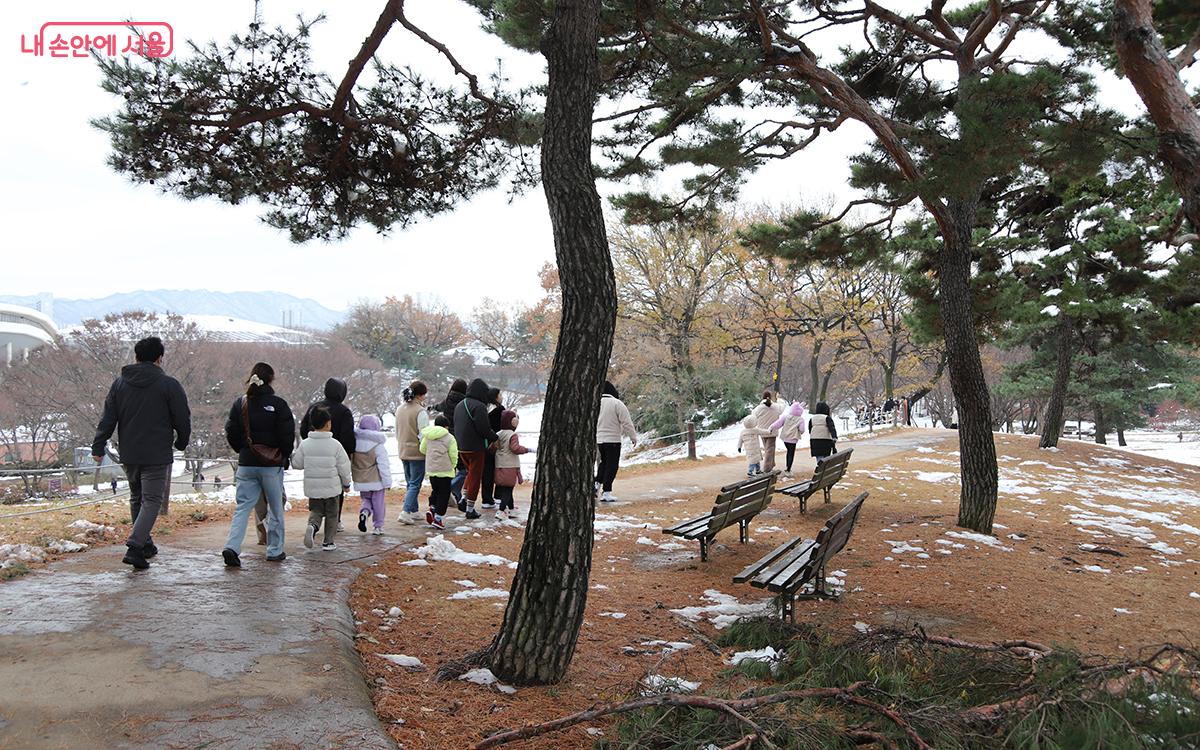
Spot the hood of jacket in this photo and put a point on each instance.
(370, 422)
(796, 409)
(749, 422)
(335, 390)
(141, 374)
(434, 432)
(478, 390)
(506, 419)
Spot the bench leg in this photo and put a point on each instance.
(743, 531)
(827, 495)
(803, 504)
(703, 549)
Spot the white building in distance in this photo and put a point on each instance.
(23, 329)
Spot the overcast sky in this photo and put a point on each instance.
(74, 228)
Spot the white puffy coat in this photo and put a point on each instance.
(765, 416)
(375, 442)
(325, 463)
(614, 421)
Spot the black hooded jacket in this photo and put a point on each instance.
(271, 423)
(342, 417)
(448, 406)
(472, 429)
(147, 408)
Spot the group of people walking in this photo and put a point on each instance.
(772, 421)
(467, 445)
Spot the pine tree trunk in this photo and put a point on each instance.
(1121, 437)
(1058, 391)
(1149, 68)
(814, 374)
(977, 448)
(762, 352)
(549, 592)
(1101, 426)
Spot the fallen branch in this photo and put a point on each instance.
(865, 737)
(1026, 649)
(672, 699)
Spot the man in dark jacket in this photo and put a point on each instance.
(342, 420)
(457, 392)
(149, 411)
(474, 435)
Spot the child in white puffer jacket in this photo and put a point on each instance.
(326, 476)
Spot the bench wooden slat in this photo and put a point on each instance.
(753, 568)
(736, 504)
(799, 562)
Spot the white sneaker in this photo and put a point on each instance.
(608, 497)
(341, 527)
(598, 487)
(329, 546)
(501, 515)
(376, 532)
(408, 519)
(310, 531)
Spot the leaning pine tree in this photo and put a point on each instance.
(954, 111)
(252, 120)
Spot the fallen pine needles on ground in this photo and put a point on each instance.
(891, 688)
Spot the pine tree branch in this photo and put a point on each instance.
(1186, 56)
(370, 45)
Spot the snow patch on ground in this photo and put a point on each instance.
(766, 654)
(984, 539)
(440, 548)
(410, 662)
(656, 683)
(484, 676)
(724, 610)
(934, 476)
(485, 593)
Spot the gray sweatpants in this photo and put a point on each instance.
(149, 485)
(324, 508)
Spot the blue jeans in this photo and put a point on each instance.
(253, 482)
(456, 484)
(414, 475)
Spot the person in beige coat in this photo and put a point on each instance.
(411, 418)
(765, 415)
(613, 423)
(327, 476)
(750, 444)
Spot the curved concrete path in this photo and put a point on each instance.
(192, 655)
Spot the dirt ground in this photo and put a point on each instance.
(1094, 549)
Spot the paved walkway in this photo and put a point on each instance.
(192, 655)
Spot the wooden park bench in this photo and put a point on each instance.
(829, 472)
(801, 562)
(737, 503)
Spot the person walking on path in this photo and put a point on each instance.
(327, 475)
(790, 427)
(447, 406)
(508, 463)
(262, 430)
(149, 411)
(343, 423)
(822, 434)
(750, 443)
(765, 415)
(411, 418)
(614, 421)
(441, 458)
(372, 472)
(495, 412)
(475, 436)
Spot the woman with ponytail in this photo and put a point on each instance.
(411, 418)
(262, 430)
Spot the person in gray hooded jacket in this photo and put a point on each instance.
(147, 408)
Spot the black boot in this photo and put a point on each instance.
(135, 557)
(149, 550)
(231, 558)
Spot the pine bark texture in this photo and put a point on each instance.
(549, 591)
(977, 447)
(1153, 75)
(1053, 425)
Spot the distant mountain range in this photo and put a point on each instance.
(274, 308)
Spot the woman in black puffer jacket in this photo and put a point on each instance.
(262, 430)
